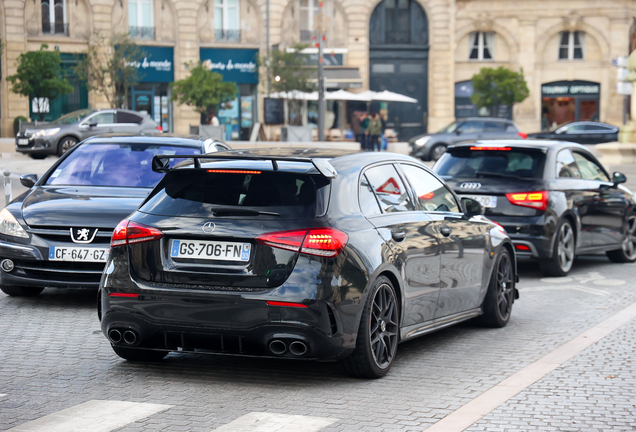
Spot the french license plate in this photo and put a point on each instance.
(23, 141)
(485, 200)
(78, 254)
(211, 250)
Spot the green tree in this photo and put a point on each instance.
(40, 77)
(288, 72)
(496, 87)
(110, 66)
(203, 89)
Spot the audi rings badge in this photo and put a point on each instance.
(470, 185)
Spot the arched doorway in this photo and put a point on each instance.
(398, 62)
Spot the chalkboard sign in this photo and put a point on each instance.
(274, 111)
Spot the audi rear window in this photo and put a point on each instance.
(506, 162)
(238, 193)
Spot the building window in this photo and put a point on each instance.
(397, 21)
(571, 45)
(308, 10)
(141, 19)
(54, 17)
(226, 20)
(482, 46)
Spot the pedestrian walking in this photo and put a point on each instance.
(375, 130)
(356, 127)
(364, 124)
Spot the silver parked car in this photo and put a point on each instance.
(60, 135)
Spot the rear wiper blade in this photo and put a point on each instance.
(238, 211)
(492, 174)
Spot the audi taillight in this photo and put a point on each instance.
(324, 242)
(523, 135)
(129, 232)
(537, 200)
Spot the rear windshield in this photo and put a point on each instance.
(202, 193)
(463, 162)
(127, 165)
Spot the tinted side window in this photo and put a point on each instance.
(126, 117)
(566, 165)
(495, 127)
(472, 126)
(368, 204)
(589, 170)
(597, 128)
(574, 129)
(511, 128)
(389, 189)
(432, 194)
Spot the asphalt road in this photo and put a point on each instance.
(565, 362)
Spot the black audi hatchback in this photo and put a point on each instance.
(57, 234)
(554, 198)
(301, 254)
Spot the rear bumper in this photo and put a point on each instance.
(531, 236)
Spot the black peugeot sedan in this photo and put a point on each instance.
(554, 199)
(585, 132)
(301, 254)
(57, 234)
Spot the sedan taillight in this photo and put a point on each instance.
(537, 200)
(129, 232)
(325, 242)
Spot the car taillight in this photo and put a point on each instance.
(537, 200)
(159, 128)
(523, 135)
(325, 242)
(129, 232)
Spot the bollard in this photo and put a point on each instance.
(7, 187)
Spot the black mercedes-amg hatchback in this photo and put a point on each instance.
(304, 254)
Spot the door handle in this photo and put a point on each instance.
(398, 235)
(446, 231)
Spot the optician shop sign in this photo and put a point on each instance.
(157, 64)
(570, 88)
(236, 65)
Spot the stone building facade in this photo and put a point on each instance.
(428, 49)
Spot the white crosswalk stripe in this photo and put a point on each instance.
(271, 422)
(93, 416)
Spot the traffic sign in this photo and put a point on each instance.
(622, 74)
(620, 62)
(624, 88)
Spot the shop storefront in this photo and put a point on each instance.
(240, 67)
(152, 94)
(568, 101)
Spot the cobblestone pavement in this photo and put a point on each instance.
(54, 357)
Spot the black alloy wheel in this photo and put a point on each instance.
(377, 341)
(563, 253)
(627, 252)
(66, 144)
(497, 305)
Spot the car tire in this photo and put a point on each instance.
(37, 156)
(66, 144)
(437, 151)
(563, 252)
(627, 252)
(378, 333)
(497, 305)
(141, 355)
(20, 291)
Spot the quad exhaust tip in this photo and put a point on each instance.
(277, 347)
(114, 335)
(298, 348)
(130, 337)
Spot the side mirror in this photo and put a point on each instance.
(618, 178)
(160, 164)
(28, 180)
(472, 207)
(92, 125)
(458, 132)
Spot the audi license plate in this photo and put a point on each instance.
(485, 200)
(23, 141)
(78, 254)
(211, 250)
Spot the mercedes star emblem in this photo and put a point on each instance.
(209, 227)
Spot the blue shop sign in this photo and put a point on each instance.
(157, 65)
(236, 65)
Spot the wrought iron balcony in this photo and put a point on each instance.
(227, 35)
(141, 32)
(54, 28)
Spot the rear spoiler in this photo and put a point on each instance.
(161, 162)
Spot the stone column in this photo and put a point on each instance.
(618, 37)
(13, 105)
(527, 114)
